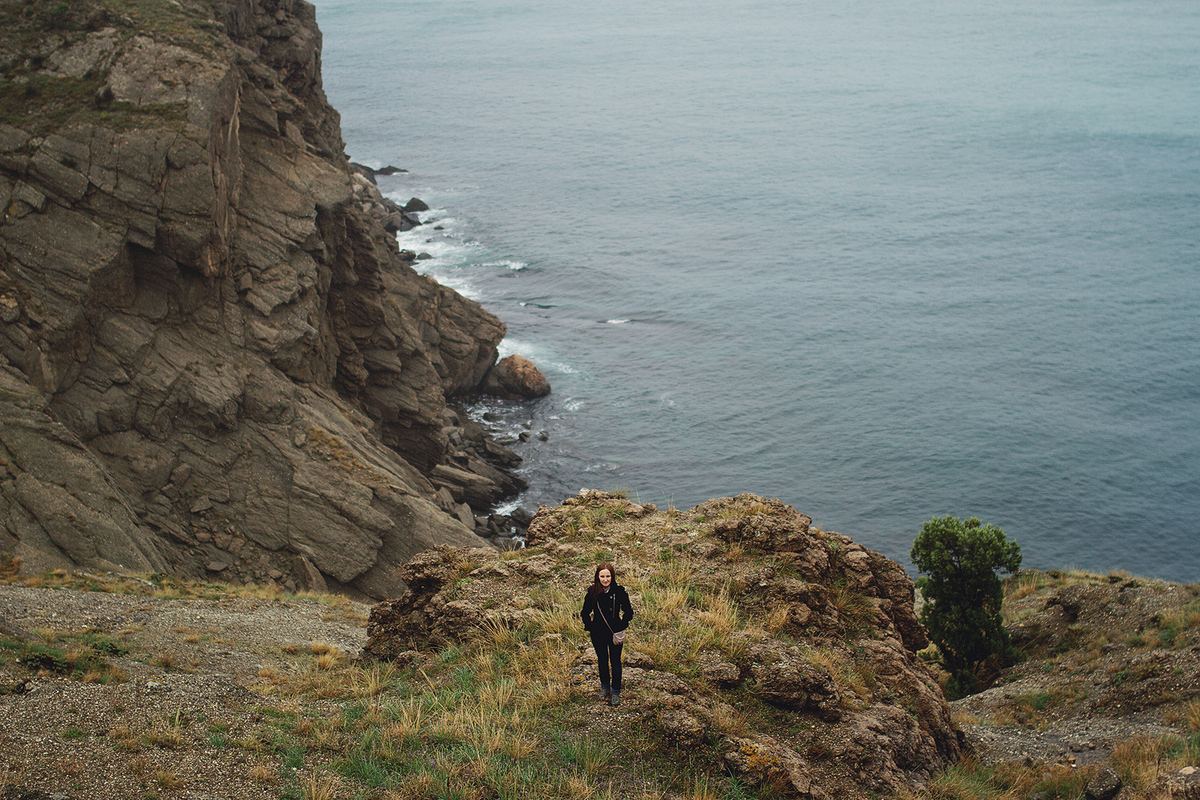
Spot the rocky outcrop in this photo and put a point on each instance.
(1182, 784)
(214, 359)
(779, 614)
(516, 377)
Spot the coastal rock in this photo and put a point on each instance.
(58, 504)
(422, 615)
(212, 350)
(516, 377)
(1104, 785)
(763, 760)
(794, 682)
(718, 671)
(544, 528)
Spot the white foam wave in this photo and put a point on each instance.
(536, 353)
(459, 283)
(507, 508)
(453, 259)
(444, 254)
(615, 321)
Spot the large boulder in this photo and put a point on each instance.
(516, 377)
(1182, 784)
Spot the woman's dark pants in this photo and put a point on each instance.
(606, 653)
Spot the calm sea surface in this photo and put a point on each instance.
(882, 260)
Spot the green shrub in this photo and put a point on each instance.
(958, 560)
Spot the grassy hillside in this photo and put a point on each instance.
(508, 712)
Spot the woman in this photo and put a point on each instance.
(606, 610)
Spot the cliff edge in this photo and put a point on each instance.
(214, 361)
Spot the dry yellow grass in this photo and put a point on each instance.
(728, 720)
(701, 790)
(1138, 761)
(662, 606)
(263, 773)
(1192, 715)
(169, 779)
(407, 720)
(326, 661)
(321, 785)
(373, 680)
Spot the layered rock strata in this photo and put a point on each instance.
(213, 358)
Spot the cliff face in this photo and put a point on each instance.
(212, 360)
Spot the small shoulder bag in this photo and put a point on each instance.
(618, 636)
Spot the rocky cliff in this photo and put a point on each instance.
(213, 358)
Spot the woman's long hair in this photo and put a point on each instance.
(596, 588)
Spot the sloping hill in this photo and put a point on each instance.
(766, 660)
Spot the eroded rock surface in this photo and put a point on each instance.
(213, 358)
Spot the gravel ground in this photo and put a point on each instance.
(194, 718)
(1104, 673)
(192, 688)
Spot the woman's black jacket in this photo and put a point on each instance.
(613, 604)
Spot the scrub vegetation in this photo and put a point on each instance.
(39, 99)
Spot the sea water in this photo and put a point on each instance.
(883, 260)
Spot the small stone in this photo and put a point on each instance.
(1104, 786)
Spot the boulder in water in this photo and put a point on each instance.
(516, 377)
